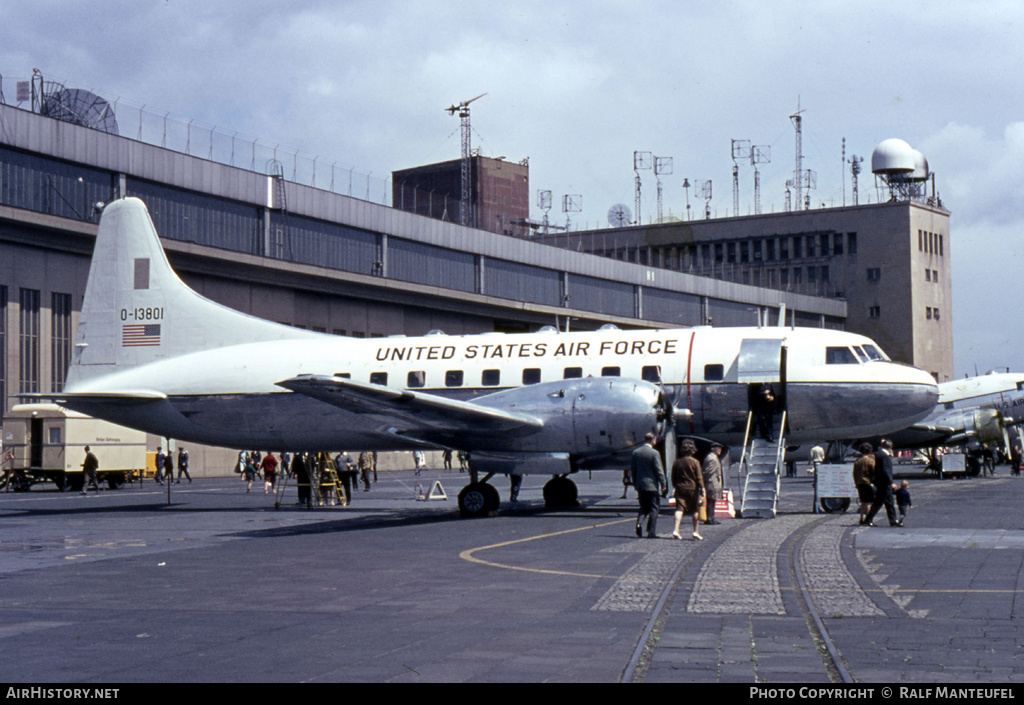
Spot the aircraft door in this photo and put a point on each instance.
(763, 361)
(760, 360)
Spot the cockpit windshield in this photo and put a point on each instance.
(835, 355)
(874, 353)
(858, 354)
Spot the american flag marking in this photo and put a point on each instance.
(134, 335)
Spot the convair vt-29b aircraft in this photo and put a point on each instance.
(153, 354)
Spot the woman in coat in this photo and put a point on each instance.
(688, 482)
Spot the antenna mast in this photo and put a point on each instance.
(798, 172)
(662, 165)
(740, 150)
(855, 169)
(641, 160)
(466, 215)
(759, 154)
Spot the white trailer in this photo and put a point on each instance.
(47, 442)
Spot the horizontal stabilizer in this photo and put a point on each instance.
(418, 409)
(138, 397)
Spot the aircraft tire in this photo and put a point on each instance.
(835, 504)
(475, 500)
(560, 492)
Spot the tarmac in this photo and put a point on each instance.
(218, 585)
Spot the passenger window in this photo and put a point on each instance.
(531, 375)
(416, 379)
(343, 375)
(839, 356)
(453, 378)
(651, 373)
(572, 372)
(491, 378)
(379, 378)
(714, 373)
(611, 372)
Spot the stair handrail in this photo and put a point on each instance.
(743, 457)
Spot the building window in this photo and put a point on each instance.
(935, 276)
(851, 243)
(60, 340)
(837, 244)
(875, 312)
(798, 248)
(770, 250)
(874, 274)
(928, 312)
(29, 342)
(927, 275)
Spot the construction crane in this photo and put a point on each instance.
(466, 208)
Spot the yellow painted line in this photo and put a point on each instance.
(467, 555)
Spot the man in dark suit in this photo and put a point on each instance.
(884, 486)
(651, 484)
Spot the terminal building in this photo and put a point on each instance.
(307, 256)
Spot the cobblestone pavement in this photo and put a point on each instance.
(817, 598)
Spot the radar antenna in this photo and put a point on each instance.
(619, 215)
(74, 105)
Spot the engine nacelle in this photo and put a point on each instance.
(585, 418)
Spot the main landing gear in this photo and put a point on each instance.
(479, 498)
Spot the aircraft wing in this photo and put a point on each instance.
(416, 414)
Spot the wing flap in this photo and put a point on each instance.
(412, 411)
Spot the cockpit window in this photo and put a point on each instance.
(839, 356)
(861, 355)
(874, 353)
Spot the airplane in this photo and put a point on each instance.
(150, 353)
(979, 409)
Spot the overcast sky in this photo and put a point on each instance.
(577, 87)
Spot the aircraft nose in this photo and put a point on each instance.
(918, 393)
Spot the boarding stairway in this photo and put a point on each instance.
(761, 464)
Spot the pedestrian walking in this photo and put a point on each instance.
(884, 486)
(89, 466)
(651, 484)
(688, 486)
(712, 472)
(269, 468)
(183, 465)
(903, 501)
(863, 475)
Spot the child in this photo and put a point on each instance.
(903, 499)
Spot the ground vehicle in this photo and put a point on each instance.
(47, 442)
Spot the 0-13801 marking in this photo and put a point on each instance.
(142, 314)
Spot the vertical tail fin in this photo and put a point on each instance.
(136, 310)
